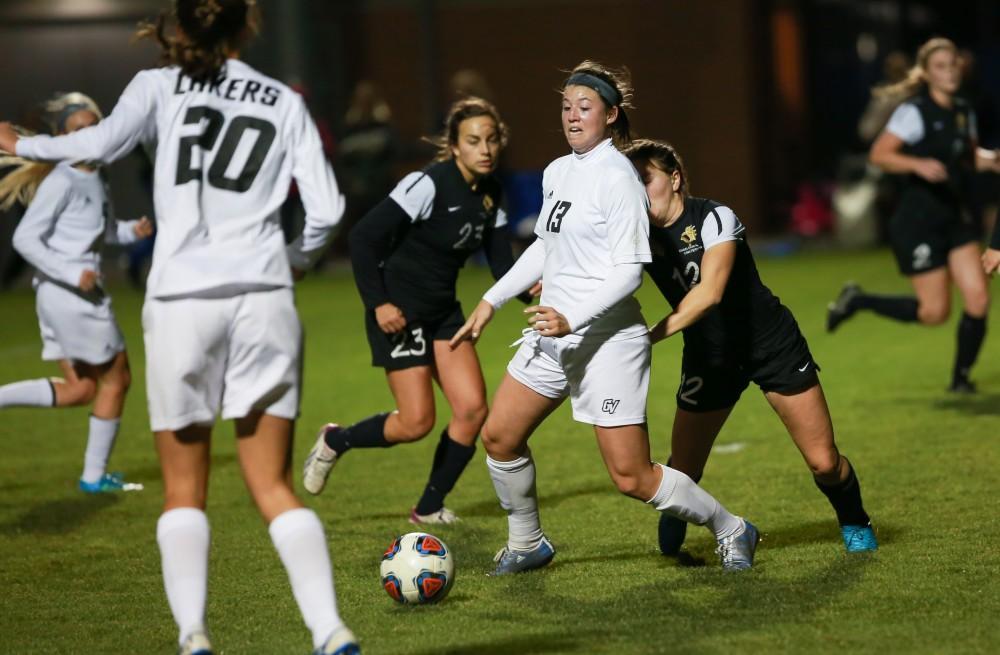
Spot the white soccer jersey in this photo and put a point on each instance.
(226, 153)
(593, 216)
(66, 223)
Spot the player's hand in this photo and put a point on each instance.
(144, 228)
(473, 328)
(547, 321)
(8, 137)
(536, 289)
(390, 318)
(931, 170)
(88, 281)
(991, 261)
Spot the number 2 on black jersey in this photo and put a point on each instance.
(559, 210)
(224, 157)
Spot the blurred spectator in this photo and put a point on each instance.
(468, 82)
(366, 156)
(292, 212)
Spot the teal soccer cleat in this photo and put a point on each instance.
(859, 538)
(736, 552)
(108, 483)
(517, 561)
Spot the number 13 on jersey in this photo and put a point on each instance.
(554, 221)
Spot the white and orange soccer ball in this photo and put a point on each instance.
(417, 568)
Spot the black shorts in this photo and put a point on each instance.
(414, 346)
(924, 230)
(708, 384)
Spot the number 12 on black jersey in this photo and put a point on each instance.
(556, 215)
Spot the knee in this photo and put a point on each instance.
(934, 313)
(825, 467)
(631, 485)
(415, 426)
(80, 392)
(977, 304)
(472, 415)
(495, 443)
(117, 383)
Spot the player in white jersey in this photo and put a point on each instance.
(61, 234)
(220, 325)
(588, 338)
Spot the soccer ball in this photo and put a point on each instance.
(417, 568)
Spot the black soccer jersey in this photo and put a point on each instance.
(750, 319)
(409, 249)
(946, 134)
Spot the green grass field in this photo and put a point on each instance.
(82, 575)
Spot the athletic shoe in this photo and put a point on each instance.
(518, 561)
(962, 386)
(340, 642)
(319, 462)
(443, 516)
(196, 643)
(672, 532)
(108, 483)
(736, 552)
(842, 308)
(859, 538)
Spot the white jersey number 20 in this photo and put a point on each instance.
(217, 172)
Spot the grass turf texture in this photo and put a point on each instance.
(81, 574)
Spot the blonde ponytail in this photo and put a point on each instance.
(914, 81)
(21, 184)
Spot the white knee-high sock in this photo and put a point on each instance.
(29, 393)
(515, 486)
(100, 441)
(183, 536)
(301, 543)
(679, 496)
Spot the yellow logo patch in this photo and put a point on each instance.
(689, 235)
(487, 203)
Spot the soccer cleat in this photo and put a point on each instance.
(319, 462)
(842, 308)
(962, 385)
(672, 532)
(443, 516)
(518, 561)
(736, 552)
(197, 643)
(859, 538)
(108, 483)
(340, 642)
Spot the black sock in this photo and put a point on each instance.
(846, 499)
(450, 459)
(900, 308)
(367, 433)
(971, 332)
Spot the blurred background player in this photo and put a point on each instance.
(931, 138)
(406, 253)
(588, 338)
(61, 234)
(735, 331)
(220, 324)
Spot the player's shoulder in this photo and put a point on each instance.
(60, 177)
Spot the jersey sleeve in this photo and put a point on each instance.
(38, 223)
(906, 123)
(415, 194)
(546, 193)
(626, 210)
(721, 225)
(132, 121)
(321, 197)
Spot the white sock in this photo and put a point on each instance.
(29, 393)
(183, 536)
(515, 486)
(100, 441)
(301, 543)
(679, 496)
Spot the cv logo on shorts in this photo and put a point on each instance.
(689, 235)
(610, 405)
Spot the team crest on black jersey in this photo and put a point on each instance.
(689, 235)
(960, 122)
(487, 202)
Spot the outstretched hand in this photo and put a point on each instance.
(991, 260)
(473, 328)
(8, 137)
(547, 321)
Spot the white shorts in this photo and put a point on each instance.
(238, 354)
(76, 328)
(607, 381)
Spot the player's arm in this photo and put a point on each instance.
(499, 254)
(107, 141)
(370, 241)
(716, 266)
(905, 127)
(321, 197)
(37, 223)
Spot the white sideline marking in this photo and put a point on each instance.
(729, 448)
